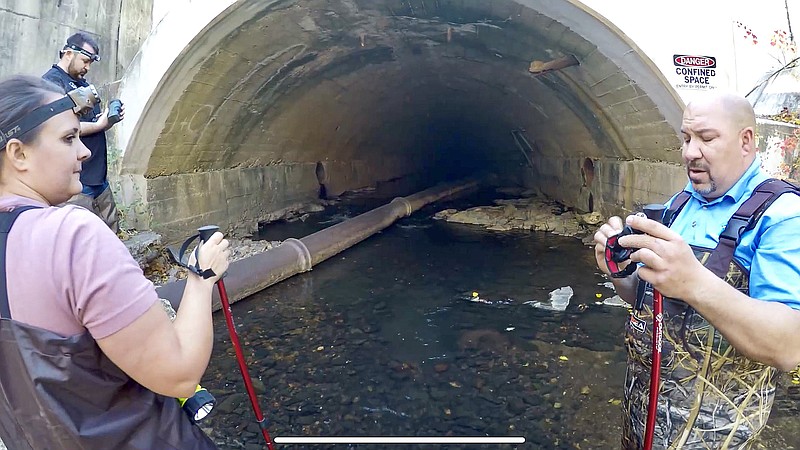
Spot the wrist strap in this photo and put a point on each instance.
(184, 262)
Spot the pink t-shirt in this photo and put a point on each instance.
(67, 272)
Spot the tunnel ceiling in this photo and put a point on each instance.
(303, 81)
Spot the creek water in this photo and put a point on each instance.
(388, 339)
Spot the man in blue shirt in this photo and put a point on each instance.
(75, 60)
(725, 339)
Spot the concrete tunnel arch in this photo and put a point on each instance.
(271, 95)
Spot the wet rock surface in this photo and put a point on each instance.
(527, 213)
(145, 246)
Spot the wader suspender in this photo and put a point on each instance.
(743, 219)
(6, 221)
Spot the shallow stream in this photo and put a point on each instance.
(388, 339)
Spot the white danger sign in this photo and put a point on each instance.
(694, 71)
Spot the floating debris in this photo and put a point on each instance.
(559, 299)
(474, 297)
(615, 301)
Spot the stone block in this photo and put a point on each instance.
(610, 84)
(619, 111)
(533, 19)
(596, 67)
(641, 116)
(571, 42)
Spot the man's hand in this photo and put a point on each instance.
(99, 125)
(625, 287)
(610, 228)
(101, 120)
(122, 112)
(669, 263)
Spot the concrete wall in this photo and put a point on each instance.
(373, 89)
(619, 187)
(32, 32)
(232, 196)
(221, 126)
(616, 187)
(241, 197)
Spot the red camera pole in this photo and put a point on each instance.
(655, 369)
(248, 383)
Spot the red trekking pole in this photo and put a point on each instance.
(615, 254)
(655, 212)
(655, 369)
(205, 233)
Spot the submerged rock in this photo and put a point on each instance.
(484, 339)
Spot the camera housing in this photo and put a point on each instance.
(114, 112)
(616, 253)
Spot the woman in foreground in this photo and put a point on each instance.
(89, 358)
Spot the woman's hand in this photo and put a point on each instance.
(213, 254)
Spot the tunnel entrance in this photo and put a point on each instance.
(378, 90)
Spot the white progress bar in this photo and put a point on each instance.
(400, 440)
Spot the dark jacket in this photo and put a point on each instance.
(95, 169)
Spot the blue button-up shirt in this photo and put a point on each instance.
(770, 251)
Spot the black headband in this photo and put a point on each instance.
(79, 100)
(84, 52)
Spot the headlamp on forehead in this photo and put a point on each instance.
(80, 100)
(92, 56)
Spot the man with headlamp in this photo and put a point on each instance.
(75, 60)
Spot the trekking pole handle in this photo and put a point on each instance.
(206, 232)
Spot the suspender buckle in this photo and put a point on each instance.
(736, 226)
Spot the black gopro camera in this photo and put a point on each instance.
(616, 253)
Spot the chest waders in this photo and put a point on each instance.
(711, 396)
(63, 393)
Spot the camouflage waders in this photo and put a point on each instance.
(711, 396)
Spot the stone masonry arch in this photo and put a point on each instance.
(233, 123)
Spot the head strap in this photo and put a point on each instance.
(80, 100)
(84, 52)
